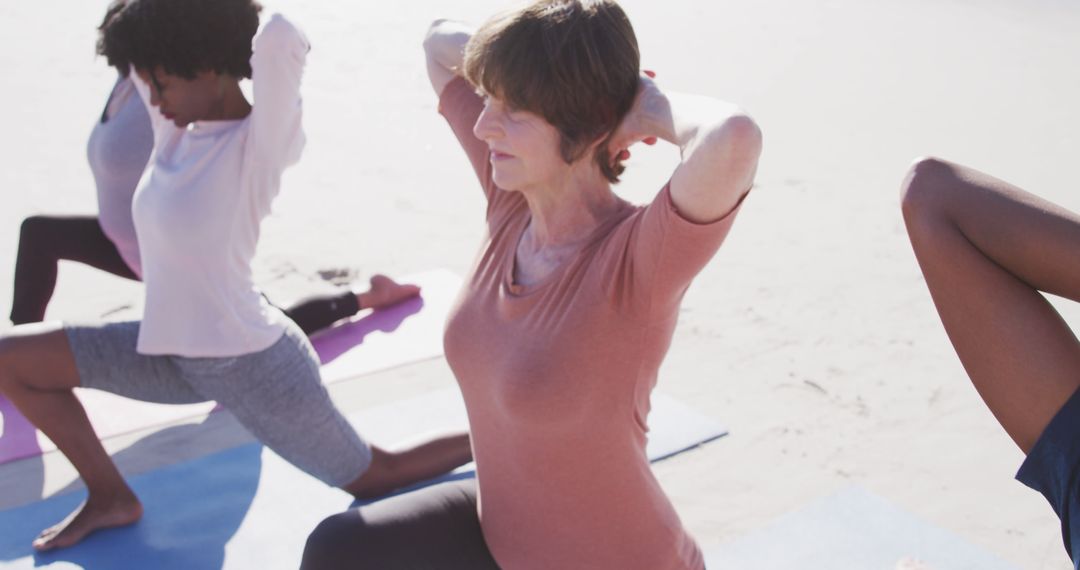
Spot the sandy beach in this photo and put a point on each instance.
(811, 335)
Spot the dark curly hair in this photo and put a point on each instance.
(184, 37)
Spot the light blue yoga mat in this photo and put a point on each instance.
(247, 508)
(674, 427)
(851, 530)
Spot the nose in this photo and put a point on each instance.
(486, 127)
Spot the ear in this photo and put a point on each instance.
(601, 150)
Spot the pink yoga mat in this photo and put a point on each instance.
(408, 332)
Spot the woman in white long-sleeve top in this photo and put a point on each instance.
(118, 152)
(560, 329)
(207, 333)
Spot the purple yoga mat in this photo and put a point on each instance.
(408, 332)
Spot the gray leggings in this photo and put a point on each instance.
(434, 528)
(276, 393)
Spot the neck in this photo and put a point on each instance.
(232, 104)
(566, 209)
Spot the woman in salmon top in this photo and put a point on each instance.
(569, 310)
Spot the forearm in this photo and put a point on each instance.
(682, 119)
(718, 143)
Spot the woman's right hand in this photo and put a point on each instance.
(636, 126)
(444, 46)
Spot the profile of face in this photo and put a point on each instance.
(524, 148)
(184, 101)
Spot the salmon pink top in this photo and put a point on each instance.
(556, 378)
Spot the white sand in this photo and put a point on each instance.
(811, 335)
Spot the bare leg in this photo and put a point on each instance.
(37, 373)
(987, 249)
(392, 470)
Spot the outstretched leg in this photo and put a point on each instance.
(278, 395)
(391, 470)
(987, 249)
(318, 313)
(38, 373)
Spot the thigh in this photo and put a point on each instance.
(986, 249)
(435, 528)
(39, 356)
(106, 359)
(75, 238)
(278, 395)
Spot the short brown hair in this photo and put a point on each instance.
(573, 62)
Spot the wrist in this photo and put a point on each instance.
(655, 120)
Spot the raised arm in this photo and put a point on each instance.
(444, 46)
(277, 62)
(720, 146)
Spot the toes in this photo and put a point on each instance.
(46, 541)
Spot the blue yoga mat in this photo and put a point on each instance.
(247, 508)
(851, 530)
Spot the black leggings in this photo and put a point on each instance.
(434, 528)
(45, 240)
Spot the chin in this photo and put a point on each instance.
(506, 181)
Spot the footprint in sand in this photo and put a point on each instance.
(912, 564)
(339, 276)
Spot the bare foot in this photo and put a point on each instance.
(385, 292)
(94, 514)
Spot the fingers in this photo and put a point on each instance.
(624, 154)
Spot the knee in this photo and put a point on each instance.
(34, 228)
(37, 234)
(339, 541)
(926, 185)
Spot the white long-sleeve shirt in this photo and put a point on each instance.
(118, 151)
(199, 207)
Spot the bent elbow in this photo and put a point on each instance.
(431, 36)
(741, 133)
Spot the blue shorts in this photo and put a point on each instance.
(1052, 468)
